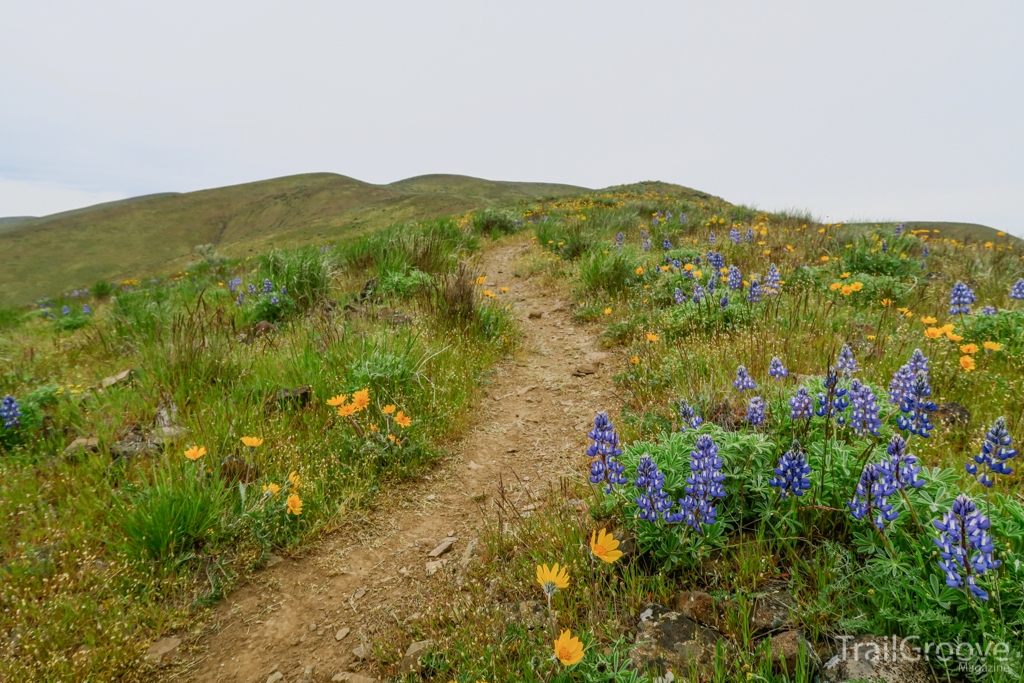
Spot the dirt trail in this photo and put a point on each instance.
(530, 430)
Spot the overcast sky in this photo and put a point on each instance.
(865, 110)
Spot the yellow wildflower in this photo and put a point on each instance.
(604, 546)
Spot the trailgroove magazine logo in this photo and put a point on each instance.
(977, 659)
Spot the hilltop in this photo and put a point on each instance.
(156, 234)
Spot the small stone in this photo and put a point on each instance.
(697, 605)
(312, 627)
(444, 546)
(164, 650)
(526, 390)
(435, 566)
(272, 560)
(263, 327)
(82, 445)
(431, 497)
(474, 466)
(342, 634)
(404, 571)
(275, 677)
(346, 677)
(585, 369)
(359, 653)
(307, 674)
(467, 554)
(785, 649)
(534, 315)
(878, 658)
(359, 593)
(116, 379)
(596, 357)
(411, 661)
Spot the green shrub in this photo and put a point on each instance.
(305, 274)
(102, 289)
(433, 247)
(403, 284)
(495, 222)
(613, 273)
(10, 317)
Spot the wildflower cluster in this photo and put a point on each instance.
(870, 499)
(960, 299)
(793, 474)
(689, 416)
(995, 451)
(10, 412)
(704, 485)
(743, 379)
(965, 547)
(604, 453)
(652, 500)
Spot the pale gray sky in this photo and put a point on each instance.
(872, 110)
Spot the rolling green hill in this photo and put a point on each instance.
(158, 233)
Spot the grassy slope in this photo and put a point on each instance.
(158, 233)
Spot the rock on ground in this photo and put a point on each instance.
(877, 658)
(665, 639)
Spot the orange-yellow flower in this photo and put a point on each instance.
(374, 428)
(337, 400)
(488, 292)
(652, 337)
(697, 274)
(992, 346)
(504, 289)
(639, 270)
(835, 286)
(634, 360)
(252, 441)
(846, 290)
(933, 332)
(824, 258)
(272, 488)
(928, 320)
(607, 311)
(347, 409)
(195, 452)
(552, 578)
(604, 546)
(483, 278)
(688, 267)
(857, 286)
(568, 649)
(361, 399)
(665, 268)
(969, 349)
(948, 331)
(844, 275)
(886, 302)
(294, 504)
(293, 477)
(389, 409)
(967, 363)
(402, 419)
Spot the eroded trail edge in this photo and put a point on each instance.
(306, 619)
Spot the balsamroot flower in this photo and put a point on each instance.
(252, 441)
(704, 485)
(793, 475)
(605, 452)
(743, 379)
(652, 501)
(864, 416)
(960, 299)
(801, 405)
(10, 411)
(294, 505)
(776, 369)
(870, 498)
(604, 546)
(689, 416)
(195, 452)
(965, 546)
(361, 399)
(402, 420)
(552, 579)
(995, 451)
(568, 649)
(755, 411)
(338, 400)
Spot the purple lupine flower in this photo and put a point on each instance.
(698, 293)
(755, 294)
(735, 278)
(711, 285)
(677, 264)
(793, 474)
(864, 416)
(885, 246)
(776, 369)
(680, 297)
(252, 288)
(750, 235)
(666, 245)
(835, 400)
(725, 301)
(273, 300)
(604, 452)
(960, 299)
(716, 260)
(801, 405)
(644, 235)
(846, 363)
(734, 236)
(918, 362)
(652, 501)
(240, 301)
(743, 379)
(689, 416)
(755, 411)
(995, 451)
(284, 290)
(704, 485)
(10, 411)
(646, 246)
(898, 232)
(916, 406)
(870, 498)
(682, 218)
(234, 284)
(711, 238)
(989, 310)
(965, 546)
(65, 310)
(772, 281)
(1017, 291)
(901, 468)
(268, 286)
(85, 309)
(926, 252)
(619, 239)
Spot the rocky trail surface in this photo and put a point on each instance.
(309, 619)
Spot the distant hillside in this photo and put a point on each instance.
(962, 232)
(158, 233)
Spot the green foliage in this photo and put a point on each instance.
(496, 222)
(10, 317)
(102, 289)
(306, 274)
(1005, 327)
(611, 273)
(403, 284)
(868, 256)
(433, 247)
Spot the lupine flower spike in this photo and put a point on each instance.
(689, 416)
(1017, 291)
(777, 370)
(864, 416)
(743, 379)
(801, 406)
(10, 411)
(965, 547)
(755, 411)
(846, 363)
(793, 475)
(604, 451)
(652, 501)
(995, 451)
(870, 498)
(704, 485)
(915, 406)
(960, 299)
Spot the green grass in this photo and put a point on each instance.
(156, 234)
